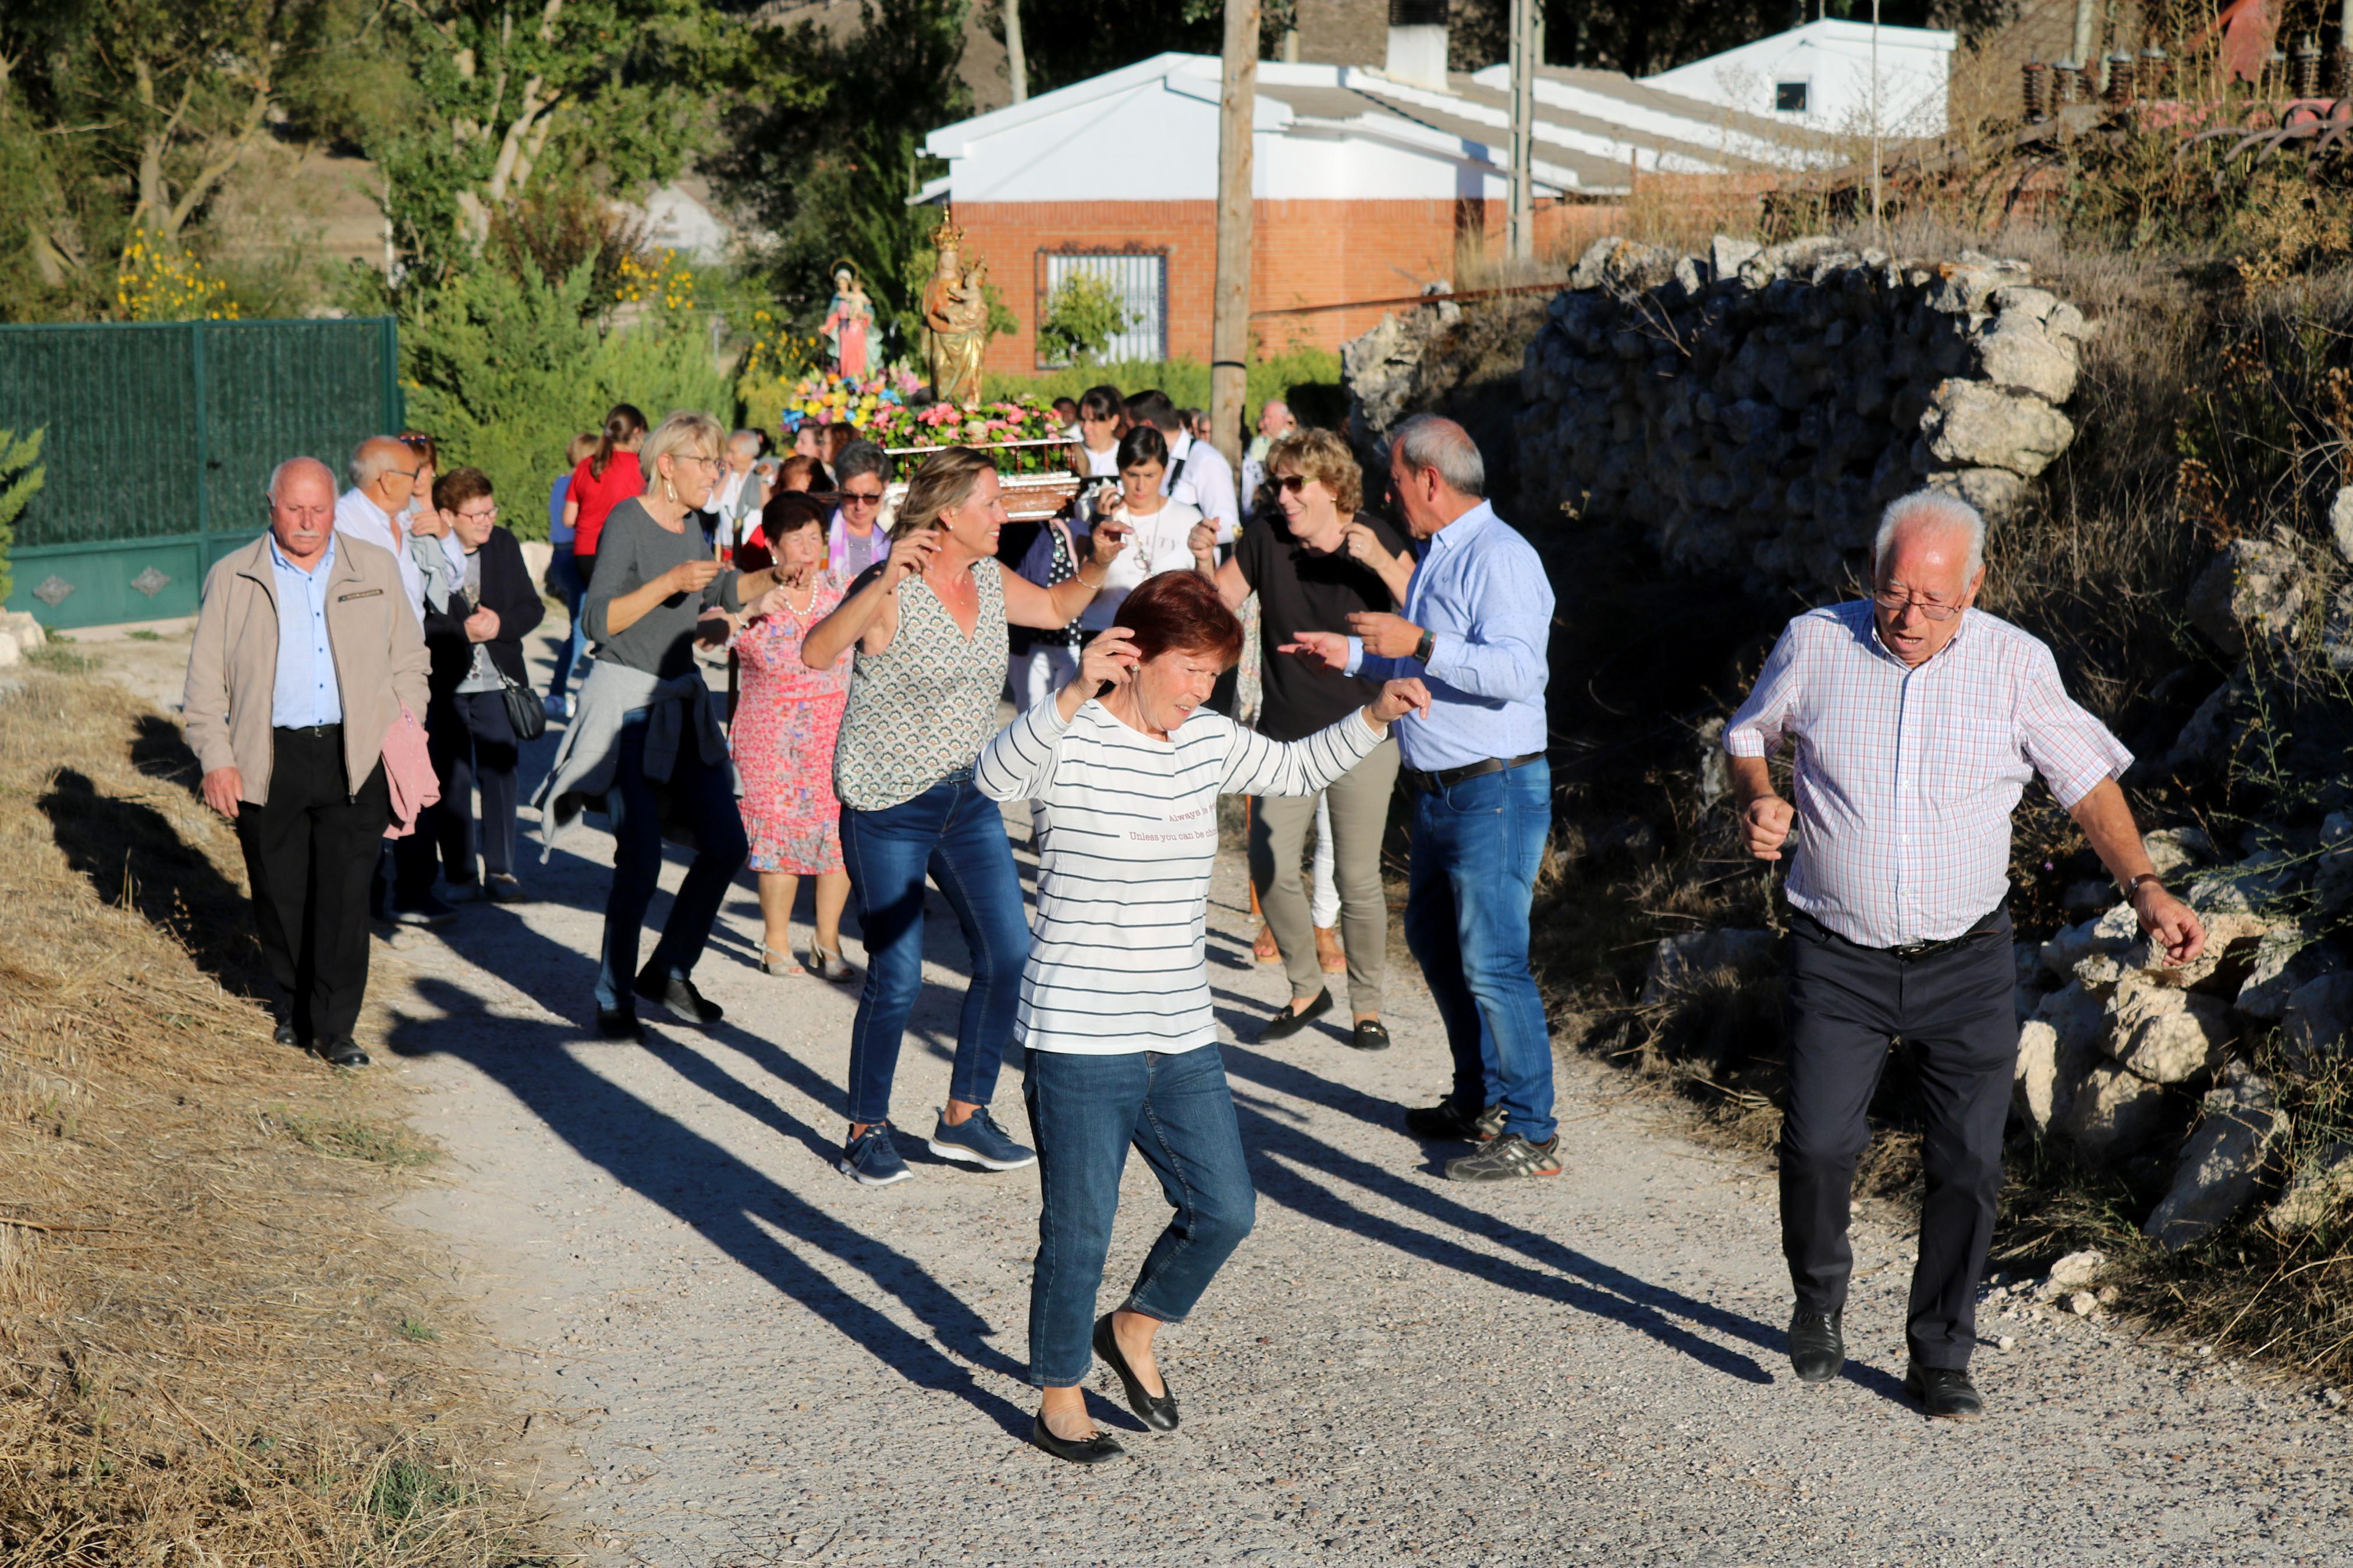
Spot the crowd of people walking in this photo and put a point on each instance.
(359, 697)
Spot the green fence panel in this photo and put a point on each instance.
(160, 438)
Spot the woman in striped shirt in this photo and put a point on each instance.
(1114, 1005)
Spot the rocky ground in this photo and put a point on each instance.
(736, 1357)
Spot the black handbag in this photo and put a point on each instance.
(524, 712)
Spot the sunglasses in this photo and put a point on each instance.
(854, 498)
(1289, 484)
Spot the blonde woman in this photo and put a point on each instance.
(646, 744)
(929, 625)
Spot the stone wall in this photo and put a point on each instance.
(1755, 407)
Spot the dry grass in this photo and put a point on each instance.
(202, 1309)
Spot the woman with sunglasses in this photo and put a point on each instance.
(647, 746)
(1327, 561)
(929, 624)
(855, 539)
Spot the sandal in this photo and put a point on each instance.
(779, 964)
(1264, 949)
(828, 965)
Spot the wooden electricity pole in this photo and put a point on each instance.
(1229, 319)
(1521, 221)
(1017, 59)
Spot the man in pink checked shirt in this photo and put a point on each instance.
(1917, 721)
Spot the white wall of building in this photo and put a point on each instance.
(1832, 59)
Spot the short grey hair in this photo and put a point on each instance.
(1929, 508)
(1434, 441)
(861, 457)
(287, 469)
(744, 439)
(372, 457)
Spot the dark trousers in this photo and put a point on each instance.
(1955, 1008)
(473, 744)
(700, 794)
(309, 853)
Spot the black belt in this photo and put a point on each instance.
(1444, 778)
(1912, 950)
(313, 731)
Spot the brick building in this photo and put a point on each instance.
(1370, 180)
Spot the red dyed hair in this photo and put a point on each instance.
(1181, 610)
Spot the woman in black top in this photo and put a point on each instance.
(474, 634)
(1324, 562)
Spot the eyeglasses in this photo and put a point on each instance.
(489, 514)
(699, 458)
(1896, 604)
(1289, 484)
(861, 497)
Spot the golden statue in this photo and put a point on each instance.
(955, 311)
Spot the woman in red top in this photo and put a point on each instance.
(609, 477)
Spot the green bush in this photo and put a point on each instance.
(1082, 316)
(1299, 375)
(20, 476)
(505, 371)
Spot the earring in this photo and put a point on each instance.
(669, 490)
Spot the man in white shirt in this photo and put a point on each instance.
(1199, 474)
(739, 489)
(1275, 422)
(384, 477)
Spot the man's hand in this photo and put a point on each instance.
(2173, 925)
(1329, 649)
(224, 788)
(689, 576)
(482, 626)
(1390, 636)
(1398, 699)
(1767, 821)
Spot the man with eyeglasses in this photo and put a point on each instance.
(384, 472)
(1916, 720)
(855, 540)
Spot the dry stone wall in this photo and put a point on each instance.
(1756, 407)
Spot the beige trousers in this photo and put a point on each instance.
(1359, 805)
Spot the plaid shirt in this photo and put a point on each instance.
(1907, 777)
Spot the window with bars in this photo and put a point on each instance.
(1140, 281)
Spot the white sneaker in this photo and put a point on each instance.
(559, 705)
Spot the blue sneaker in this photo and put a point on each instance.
(979, 1140)
(872, 1160)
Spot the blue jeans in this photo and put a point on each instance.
(1476, 847)
(958, 835)
(700, 795)
(1084, 1112)
(563, 576)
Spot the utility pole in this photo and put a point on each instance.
(1016, 63)
(1521, 227)
(1878, 234)
(2087, 13)
(1229, 319)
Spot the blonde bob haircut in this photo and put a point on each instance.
(943, 483)
(1321, 455)
(684, 433)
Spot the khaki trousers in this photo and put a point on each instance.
(1359, 805)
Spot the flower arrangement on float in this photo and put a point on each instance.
(830, 398)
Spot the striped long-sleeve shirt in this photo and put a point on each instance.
(1117, 960)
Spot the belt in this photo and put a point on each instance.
(313, 731)
(1909, 951)
(1444, 778)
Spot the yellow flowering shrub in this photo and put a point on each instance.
(157, 282)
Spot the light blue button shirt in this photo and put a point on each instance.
(1481, 592)
(306, 692)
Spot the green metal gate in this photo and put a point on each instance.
(160, 438)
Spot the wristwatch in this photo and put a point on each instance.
(1426, 647)
(2132, 888)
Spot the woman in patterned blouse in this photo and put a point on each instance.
(929, 626)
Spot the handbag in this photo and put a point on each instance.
(524, 712)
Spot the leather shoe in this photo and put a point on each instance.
(1092, 1450)
(1295, 1017)
(679, 996)
(1157, 1411)
(1817, 1345)
(619, 1024)
(1370, 1036)
(284, 1033)
(343, 1053)
(1945, 1393)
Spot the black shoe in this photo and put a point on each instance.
(680, 996)
(1093, 1450)
(1817, 1345)
(343, 1053)
(1157, 1411)
(1370, 1036)
(1447, 1120)
(619, 1024)
(1293, 1018)
(284, 1033)
(1945, 1393)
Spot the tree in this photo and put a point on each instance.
(20, 476)
(1082, 317)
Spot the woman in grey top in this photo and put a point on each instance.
(929, 624)
(647, 737)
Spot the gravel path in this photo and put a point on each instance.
(761, 1364)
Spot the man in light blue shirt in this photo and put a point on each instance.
(1478, 616)
(307, 693)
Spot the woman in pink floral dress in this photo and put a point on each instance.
(785, 719)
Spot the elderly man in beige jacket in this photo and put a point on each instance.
(305, 652)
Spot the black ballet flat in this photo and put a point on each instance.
(1095, 1450)
(1157, 1411)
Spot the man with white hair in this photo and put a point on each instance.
(305, 653)
(384, 472)
(1275, 422)
(739, 494)
(1916, 720)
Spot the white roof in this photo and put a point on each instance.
(1148, 132)
(1832, 60)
